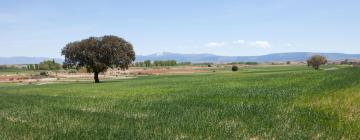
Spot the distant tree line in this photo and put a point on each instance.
(33, 67)
(5, 67)
(206, 64)
(164, 63)
(244, 63)
(184, 63)
(157, 63)
(45, 65)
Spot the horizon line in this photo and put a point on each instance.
(160, 53)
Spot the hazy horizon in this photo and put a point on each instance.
(38, 28)
(161, 53)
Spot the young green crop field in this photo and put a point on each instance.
(253, 103)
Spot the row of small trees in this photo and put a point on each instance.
(246, 63)
(45, 65)
(4, 67)
(156, 63)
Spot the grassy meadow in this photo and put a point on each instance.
(282, 102)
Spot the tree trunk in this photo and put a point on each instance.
(317, 67)
(96, 77)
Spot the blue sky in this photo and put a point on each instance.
(226, 27)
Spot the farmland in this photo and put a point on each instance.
(282, 102)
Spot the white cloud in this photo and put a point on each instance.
(215, 44)
(239, 42)
(260, 44)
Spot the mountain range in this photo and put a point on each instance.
(198, 58)
(291, 56)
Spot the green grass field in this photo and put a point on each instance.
(257, 102)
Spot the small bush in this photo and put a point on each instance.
(43, 73)
(234, 68)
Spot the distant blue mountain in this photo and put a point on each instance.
(198, 58)
(292, 56)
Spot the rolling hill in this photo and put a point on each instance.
(293, 56)
(198, 58)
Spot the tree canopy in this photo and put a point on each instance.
(316, 60)
(48, 65)
(97, 54)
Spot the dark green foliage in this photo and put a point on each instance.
(184, 63)
(164, 63)
(139, 64)
(43, 73)
(251, 63)
(48, 65)
(5, 67)
(97, 54)
(147, 63)
(36, 66)
(234, 68)
(316, 60)
(203, 64)
(32, 67)
(246, 63)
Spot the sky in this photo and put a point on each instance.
(41, 28)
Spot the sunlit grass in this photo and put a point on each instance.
(262, 103)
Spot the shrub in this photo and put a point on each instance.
(234, 68)
(43, 73)
(48, 65)
(316, 60)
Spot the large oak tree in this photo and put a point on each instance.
(97, 54)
